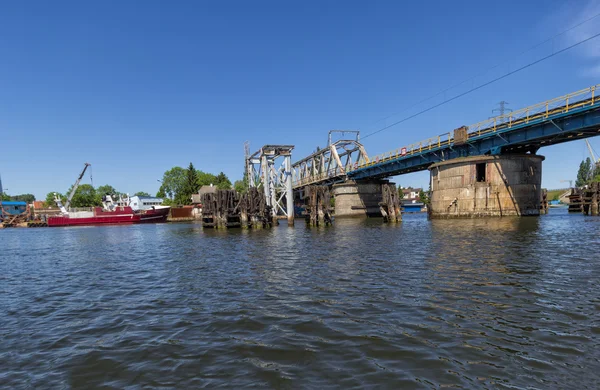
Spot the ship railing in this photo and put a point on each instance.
(77, 209)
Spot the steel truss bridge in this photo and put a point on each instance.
(562, 119)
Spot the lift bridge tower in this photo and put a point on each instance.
(270, 169)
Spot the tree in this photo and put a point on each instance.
(223, 182)
(106, 190)
(4, 196)
(596, 173)
(50, 201)
(584, 173)
(29, 198)
(141, 193)
(423, 197)
(173, 182)
(85, 196)
(400, 193)
(206, 179)
(190, 186)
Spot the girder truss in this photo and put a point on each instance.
(270, 169)
(330, 164)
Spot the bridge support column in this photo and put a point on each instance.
(486, 186)
(358, 198)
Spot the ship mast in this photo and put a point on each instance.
(75, 186)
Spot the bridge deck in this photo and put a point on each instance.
(562, 119)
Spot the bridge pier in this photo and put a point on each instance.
(486, 186)
(359, 198)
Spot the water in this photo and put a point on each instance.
(487, 303)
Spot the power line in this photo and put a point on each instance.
(489, 69)
(483, 85)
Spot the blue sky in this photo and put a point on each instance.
(136, 88)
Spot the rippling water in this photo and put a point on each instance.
(486, 303)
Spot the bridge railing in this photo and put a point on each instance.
(417, 147)
(559, 105)
(563, 104)
(317, 178)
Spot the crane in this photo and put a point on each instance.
(66, 206)
(594, 159)
(570, 182)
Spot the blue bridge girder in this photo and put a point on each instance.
(563, 127)
(562, 119)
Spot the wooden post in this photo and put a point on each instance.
(390, 204)
(595, 198)
(317, 200)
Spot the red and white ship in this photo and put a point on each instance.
(126, 211)
(149, 209)
(108, 214)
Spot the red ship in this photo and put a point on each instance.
(148, 208)
(128, 211)
(98, 216)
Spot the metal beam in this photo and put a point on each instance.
(275, 181)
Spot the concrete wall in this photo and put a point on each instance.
(511, 186)
(358, 199)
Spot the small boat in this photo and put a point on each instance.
(557, 204)
(414, 207)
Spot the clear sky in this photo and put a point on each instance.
(137, 87)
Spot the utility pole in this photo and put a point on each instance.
(502, 109)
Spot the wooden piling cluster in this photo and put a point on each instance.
(590, 199)
(254, 211)
(585, 200)
(219, 209)
(318, 205)
(227, 209)
(544, 202)
(390, 204)
(575, 201)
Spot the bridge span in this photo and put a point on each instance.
(566, 118)
(490, 168)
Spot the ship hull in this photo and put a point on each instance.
(156, 215)
(92, 221)
(122, 216)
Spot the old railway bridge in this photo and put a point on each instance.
(488, 168)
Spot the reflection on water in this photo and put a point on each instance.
(482, 303)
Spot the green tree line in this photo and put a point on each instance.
(86, 195)
(178, 184)
(587, 173)
(29, 198)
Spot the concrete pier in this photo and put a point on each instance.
(358, 199)
(486, 186)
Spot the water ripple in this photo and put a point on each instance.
(488, 303)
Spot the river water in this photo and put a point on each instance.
(485, 303)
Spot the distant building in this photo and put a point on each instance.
(411, 202)
(144, 202)
(196, 198)
(411, 195)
